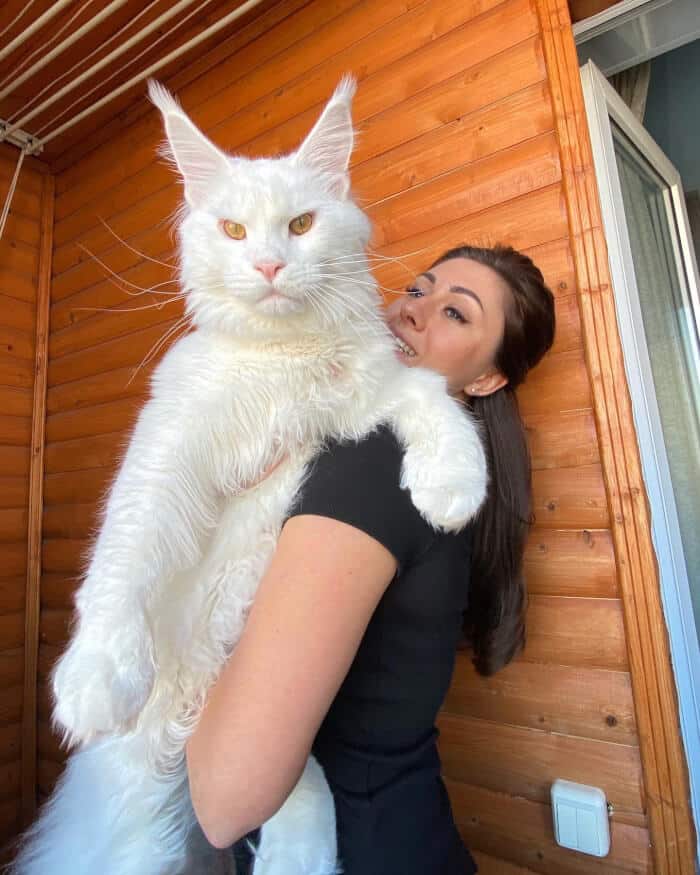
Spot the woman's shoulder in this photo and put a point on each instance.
(359, 483)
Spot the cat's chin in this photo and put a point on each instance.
(274, 303)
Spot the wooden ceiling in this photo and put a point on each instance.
(113, 31)
(123, 19)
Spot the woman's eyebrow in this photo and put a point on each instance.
(462, 291)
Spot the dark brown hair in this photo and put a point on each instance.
(494, 623)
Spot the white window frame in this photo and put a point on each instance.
(603, 104)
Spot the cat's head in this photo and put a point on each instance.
(270, 245)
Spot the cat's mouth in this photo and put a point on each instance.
(277, 303)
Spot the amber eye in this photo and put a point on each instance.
(301, 224)
(234, 229)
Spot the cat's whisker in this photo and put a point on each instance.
(119, 278)
(157, 305)
(133, 248)
(183, 321)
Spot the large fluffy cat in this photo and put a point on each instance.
(289, 350)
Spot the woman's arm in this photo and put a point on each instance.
(309, 615)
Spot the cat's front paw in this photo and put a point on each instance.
(102, 682)
(447, 478)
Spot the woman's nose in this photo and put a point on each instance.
(413, 311)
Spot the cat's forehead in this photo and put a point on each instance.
(275, 184)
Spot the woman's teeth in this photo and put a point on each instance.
(404, 347)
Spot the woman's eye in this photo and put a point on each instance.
(234, 230)
(301, 224)
(454, 314)
(414, 292)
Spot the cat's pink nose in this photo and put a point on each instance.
(269, 269)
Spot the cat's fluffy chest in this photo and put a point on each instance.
(292, 392)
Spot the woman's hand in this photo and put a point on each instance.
(309, 615)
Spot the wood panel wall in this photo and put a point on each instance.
(458, 143)
(20, 251)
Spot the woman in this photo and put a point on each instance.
(356, 622)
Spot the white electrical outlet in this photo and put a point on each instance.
(580, 818)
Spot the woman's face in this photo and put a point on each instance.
(451, 321)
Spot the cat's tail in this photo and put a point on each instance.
(105, 816)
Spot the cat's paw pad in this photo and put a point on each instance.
(101, 686)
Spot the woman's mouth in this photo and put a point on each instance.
(404, 347)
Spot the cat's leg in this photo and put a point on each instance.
(159, 509)
(444, 464)
(300, 839)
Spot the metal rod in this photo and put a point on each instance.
(173, 10)
(76, 35)
(52, 11)
(232, 16)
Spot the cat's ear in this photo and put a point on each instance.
(328, 146)
(198, 160)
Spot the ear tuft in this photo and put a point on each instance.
(199, 162)
(328, 146)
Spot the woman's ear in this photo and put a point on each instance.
(486, 384)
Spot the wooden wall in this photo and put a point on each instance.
(19, 271)
(458, 143)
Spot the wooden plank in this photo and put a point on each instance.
(586, 702)
(155, 242)
(14, 563)
(54, 627)
(36, 500)
(243, 51)
(111, 354)
(11, 634)
(97, 451)
(559, 382)
(64, 555)
(57, 591)
(10, 825)
(11, 595)
(17, 277)
(10, 742)
(98, 419)
(367, 38)
(571, 563)
(15, 430)
(99, 389)
(16, 342)
(17, 314)
(13, 524)
(15, 372)
(482, 184)
(121, 295)
(47, 773)
(562, 440)
(14, 491)
(524, 762)
(530, 220)
(77, 487)
(568, 325)
(670, 818)
(22, 228)
(15, 402)
(49, 744)
(14, 461)
(521, 831)
(10, 780)
(576, 631)
(11, 667)
(48, 654)
(570, 498)
(431, 130)
(70, 521)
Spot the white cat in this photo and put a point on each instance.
(289, 350)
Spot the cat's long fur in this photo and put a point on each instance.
(185, 538)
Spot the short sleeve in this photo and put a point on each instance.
(358, 484)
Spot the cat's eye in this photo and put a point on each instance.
(234, 230)
(301, 224)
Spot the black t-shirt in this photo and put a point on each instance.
(402, 669)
